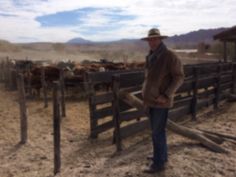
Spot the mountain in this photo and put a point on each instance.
(191, 39)
(79, 40)
(6, 46)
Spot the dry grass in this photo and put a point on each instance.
(84, 157)
(114, 52)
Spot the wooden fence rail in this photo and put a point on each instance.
(204, 85)
(97, 99)
(213, 86)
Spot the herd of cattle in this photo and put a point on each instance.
(73, 73)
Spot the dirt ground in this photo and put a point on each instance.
(82, 157)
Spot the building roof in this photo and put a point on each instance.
(228, 35)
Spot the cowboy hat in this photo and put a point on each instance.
(154, 33)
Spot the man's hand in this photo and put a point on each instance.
(162, 99)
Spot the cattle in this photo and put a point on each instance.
(74, 73)
(66, 64)
(22, 65)
(135, 65)
(114, 66)
(33, 77)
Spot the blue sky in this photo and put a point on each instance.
(104, 20)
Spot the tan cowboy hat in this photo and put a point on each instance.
(154, 33)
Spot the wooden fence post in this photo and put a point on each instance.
(23, 111)
(233, 91)
(225, 51)
(13, 80)
(92, 107)
(10, 78)
(56, 128)
(195, 93)
(7, 70)
(62, 88)
(116, 111)
(1, 72)
(29, 81)
(218, 89)
(44, 87)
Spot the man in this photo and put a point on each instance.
(163, 76)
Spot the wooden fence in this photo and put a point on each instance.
(205, 84)
(100, 103)
(58, 102)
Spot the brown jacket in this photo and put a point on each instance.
(163, 77)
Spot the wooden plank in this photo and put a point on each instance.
(7, 69)
(92, 108)
(62, 90)
(134, 128)
(103, 112)
(227, 72)
(226, 66)
(98, 77)
(44, 86)
(226, 78)
(178, 113)
(217, 88)
(2, 71)
(103, 127)
(226, 86)
(124, 106)
(205, 102)
(23, 111)
(225, 51)
(234, 79)
(206, 93)
(186, 86)
(188, 78)
(56, 129)
(193, 107)
(13, 80)
(208, 69)
(29, 82)
(116, 112)
(182, 102)
(132, 89)
(131, 115)
(207, 81)
(188, 71)
(103, 98)
(224, 94)
(131, 79)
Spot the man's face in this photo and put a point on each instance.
(154, 43)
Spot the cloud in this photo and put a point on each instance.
(85, 16)
(60, 20)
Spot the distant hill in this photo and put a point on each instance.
(191, 39)
(79, 40)
(184, 41)
(6, 46)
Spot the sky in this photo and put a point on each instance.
(106, 20)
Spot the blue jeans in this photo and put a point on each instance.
(158, 119)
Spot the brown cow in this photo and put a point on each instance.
(33, 77)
